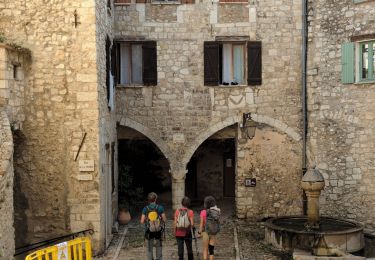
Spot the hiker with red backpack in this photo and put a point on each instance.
(153, 217)
(209, 226)
(183, 225)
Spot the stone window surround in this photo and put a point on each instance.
(358, 39)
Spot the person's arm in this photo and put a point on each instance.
(175, 222)
(163, 217)
(200, 230)
(143, 218)
(191, 218)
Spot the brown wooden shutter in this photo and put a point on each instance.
(115, 57)
(254, 63)
(211, 63)
(107, 64)
(150, 75)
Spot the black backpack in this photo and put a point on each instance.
(212, 226)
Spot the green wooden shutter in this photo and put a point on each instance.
(347, 62)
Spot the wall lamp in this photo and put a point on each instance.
(248, 126)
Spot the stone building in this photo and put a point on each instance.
(209, 91)
(220, 69)
(61, 111)
(341, 84)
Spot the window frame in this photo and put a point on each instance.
(130, 56)
(221, 61)
(359, 64)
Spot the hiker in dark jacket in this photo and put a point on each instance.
(153, 217)
(182, 225)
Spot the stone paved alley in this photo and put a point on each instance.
(128, 243)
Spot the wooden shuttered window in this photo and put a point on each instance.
(133, 67)
(347, 62)
(254, 63)
(211, 63)
(150, 75)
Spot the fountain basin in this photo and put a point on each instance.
(289, 232)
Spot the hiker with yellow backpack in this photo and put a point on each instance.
(153, 217)
(183, 225)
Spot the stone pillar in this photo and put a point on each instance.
(178, 188)
(312, 183)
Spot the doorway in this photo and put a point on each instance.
(211, 170)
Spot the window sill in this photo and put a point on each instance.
(362, 1)
(365, 82)
(133, 86)
(123, 3)
(166, 2)
(236, 2)
(229, 86)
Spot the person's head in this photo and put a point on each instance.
(209, 202)
(151, 197)
(185, 202)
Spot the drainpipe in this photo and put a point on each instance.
(304, 94)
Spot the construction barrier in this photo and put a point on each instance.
(76, 249)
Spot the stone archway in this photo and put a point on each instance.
(180, 169)
(142, 155)
(148, 133)
(277, 124)
(6, 188)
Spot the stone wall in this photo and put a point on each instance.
(63, 97)
(180, 112)
(6, 188)
(107, 126)
(274, 159)
(341, 116)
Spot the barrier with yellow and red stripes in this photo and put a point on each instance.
(76, 249)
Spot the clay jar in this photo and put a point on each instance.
(123, 217)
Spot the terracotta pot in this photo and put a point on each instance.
(123, 217)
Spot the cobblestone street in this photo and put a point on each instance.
(237, 240)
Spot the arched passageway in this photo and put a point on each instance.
(211, 169)
(142, 168)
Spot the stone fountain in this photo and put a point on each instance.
(322, 236)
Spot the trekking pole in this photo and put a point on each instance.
(196, 243)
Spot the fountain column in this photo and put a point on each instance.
(312, 183)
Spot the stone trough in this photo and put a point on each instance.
(322, 236)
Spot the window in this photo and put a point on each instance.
(366, 61)
(137, 63)
(232, 63)
(16, 71)
(358, 62)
